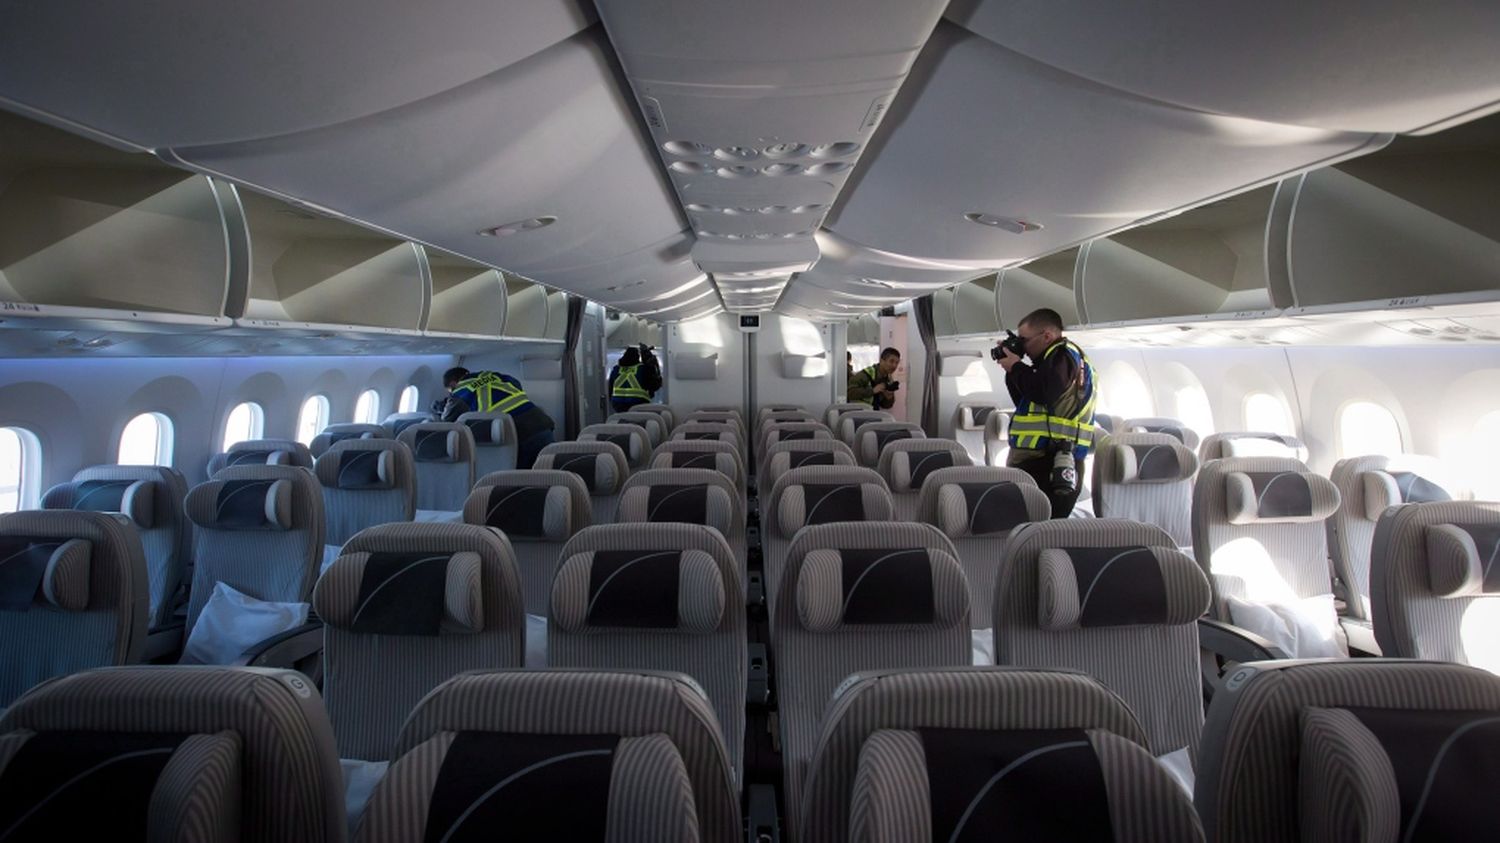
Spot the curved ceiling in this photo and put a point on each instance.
(673, 158)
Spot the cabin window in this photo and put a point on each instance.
(1123, 393)
(1193, 409)
(408, 402)
(20, 466)
(367, 408)
(312, 418)
(1486, 458)
(246, 421)
(1367, 428)
(146, 440)
(1267, 413)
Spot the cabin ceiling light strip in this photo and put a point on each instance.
(1012, 224)
(519, 226)
(676, 305)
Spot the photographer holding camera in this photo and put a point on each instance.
(1052, 430)
(874, 384)
(635, 379)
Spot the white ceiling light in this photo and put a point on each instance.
(519, 226)
(1011, 224)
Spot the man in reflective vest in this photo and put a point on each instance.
(873, 384)
(1052, 431)
(496, 392)
(635, 379)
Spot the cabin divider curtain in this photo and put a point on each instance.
(922, 308)
(571, 420)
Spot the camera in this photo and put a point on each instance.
(1011, 343)
(892, 386)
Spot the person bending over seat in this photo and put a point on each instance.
(497, 392)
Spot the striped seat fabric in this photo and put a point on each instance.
(259, 529)
(782, 412)
(630, 438)
(872, 439)
(1367, 487)
(538, 510)
(335, 433)
(906, 463)
(977, 507)
(559, 755)
(494, 441)
(600, 465)
(73, 595)
(397, 422)
(715, 431)
(720, 413)
(668, 416)
(1435, 582)
(406, 607)
(650, 422)
(979, 753)
(655, 597)
(1360, 749)
(261, 452)
(687, 496)
(781, 457)
(1250, 443)
(1161, 424)
(831, 415)
(815, 494)
(858, 597)
(969, 421)
(702, 419)
(997, 437)
(1146, 477)
(150, 496)
(1117, 600)
(1258, 532)
(171, 753)
(704, 453)
(444, 455)
(773, 433)
(850, 423)
(365, 482)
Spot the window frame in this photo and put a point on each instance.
(28, 467)
(1283, 407)
(257, 424)
(416, 399)
(1345, 452)
(324, 415)
(373, 417)
(166, 439)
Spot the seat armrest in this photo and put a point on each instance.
(1235, 643)
(285, 650)
(164, 643)
(1361, 634)
(761, 820)
(755, 592)
(758, 686)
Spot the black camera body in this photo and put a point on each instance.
(892, 386)
(1011, 343)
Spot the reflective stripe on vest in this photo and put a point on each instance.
(493, 394)
(1033, 429)
(627, 384)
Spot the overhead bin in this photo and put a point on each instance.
(1045, 282)
(318, 273)
(1413, 225)
(526, 309)
(863, 330)
(91, 234)
(468, 299)
(1207, 261)
(557, 315)
(969, 308)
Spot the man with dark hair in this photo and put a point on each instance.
(873, 384)
(497, 392)
(635, 379)
(1052, 431)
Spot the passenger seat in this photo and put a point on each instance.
(858, 597)
(668, 416)
(600, 465)
(997, 438)
(851, 422)
(74, 596)
(628, 755)
(987, 754)
(1251, 444)
(262, 452)
(652, 423)
(814, 495)
(495, 442)
(444, 455)
(335, 433)
(171, 753)
(666, 597)
(872, 438)
(687, 496)
(905, 464)
(970, 419)
(1435, 582)
(151, 498)
(406, 607)
(538, 511)
(1361, 749)
(1160, 424)
(784, 456)
(397, 422)
(365, 482)
(630, 439)
(834, 411)
(728, 432)
(1146, 477)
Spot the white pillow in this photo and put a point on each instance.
(982, 646)
(233, 622)
(1306, 629)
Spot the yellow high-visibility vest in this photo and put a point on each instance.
(627, 384)
(492, 394)
(1033, 428)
